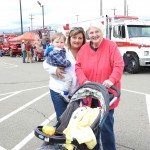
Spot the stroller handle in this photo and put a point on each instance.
(58, 138)
(117, 96)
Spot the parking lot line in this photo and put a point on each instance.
(31, 135)
(148, 106)
(2, 148)
(23, 107)
(40, 87)
(134, 91)
(8, 65)
(15, 93)
(147, 96)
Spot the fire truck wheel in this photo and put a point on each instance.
(133, 64)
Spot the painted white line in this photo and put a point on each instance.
(23, 107)
(133, 91)
(2, 148)
(10, 96)
(8, 65)
(24, 90)
(31, 135)
(148, 106)
(147, 96)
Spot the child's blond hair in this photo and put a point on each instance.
(58, 35)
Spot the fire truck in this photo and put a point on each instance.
(132, 36)
(9, 48)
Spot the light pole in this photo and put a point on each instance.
(42, 11)
(21, 17)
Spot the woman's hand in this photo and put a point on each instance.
(60, 72)
(107, 83)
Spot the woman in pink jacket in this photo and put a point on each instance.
(99, 60)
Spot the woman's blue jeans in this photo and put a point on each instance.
(59, 104)
(106, 133)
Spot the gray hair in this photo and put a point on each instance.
(96, 24)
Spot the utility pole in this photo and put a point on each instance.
(114, 9)
(77, 17)
(125, 7)
(127, 10)
(101, 8)
(29, 29)
(21, 17)
(31, 21)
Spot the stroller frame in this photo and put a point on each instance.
(89, 89)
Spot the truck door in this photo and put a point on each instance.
(119, 36)
(119, 32)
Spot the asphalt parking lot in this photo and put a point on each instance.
(25, 103)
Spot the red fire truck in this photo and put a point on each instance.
(9, 48)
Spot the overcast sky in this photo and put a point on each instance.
(63, 11)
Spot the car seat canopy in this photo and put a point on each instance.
(93, 90)
(89, 92)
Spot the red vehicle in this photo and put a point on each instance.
(9, 48)
(40, 55)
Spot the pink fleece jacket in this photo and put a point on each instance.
(97, 66)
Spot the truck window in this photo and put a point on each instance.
(123, 32)
(115, 31)
(119, 31)
(138, 31)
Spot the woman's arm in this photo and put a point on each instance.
(117, 64)
(53, 70)
(49, 68)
